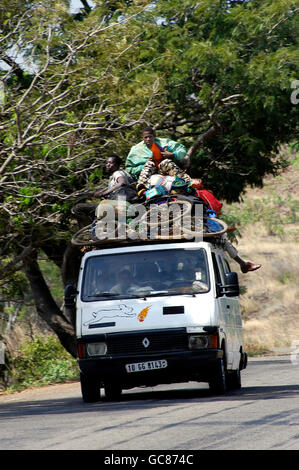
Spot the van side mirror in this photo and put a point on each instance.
(70, 296)
(231, 287)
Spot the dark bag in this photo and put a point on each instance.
(126, 192)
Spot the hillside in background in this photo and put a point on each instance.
(268, 222)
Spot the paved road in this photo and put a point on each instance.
(264, 414)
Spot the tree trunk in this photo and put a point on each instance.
(71, 265)
(205, 136)
(48, 310)
(68, 259)
(70, 272)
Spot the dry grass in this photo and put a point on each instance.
(270, 306)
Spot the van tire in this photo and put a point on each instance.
(90, 388)
(113, 391)
(217, 383)
(233, 380)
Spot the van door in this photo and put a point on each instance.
(225, 306)
(223, 309)
(235, 321)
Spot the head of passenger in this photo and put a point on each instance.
(148, 136)
(113, 163)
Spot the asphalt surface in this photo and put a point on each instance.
(262, 415)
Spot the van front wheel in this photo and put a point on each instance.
(233, 380)
(90, 388)
(217, 383)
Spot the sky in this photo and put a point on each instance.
(76, 4)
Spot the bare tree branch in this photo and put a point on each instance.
(86, 6)
(214, 129)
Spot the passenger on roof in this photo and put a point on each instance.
(156, 155)
(120, 185)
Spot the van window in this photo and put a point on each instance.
(226, 266)
(157, 272)
(221, 268)
(216, 269)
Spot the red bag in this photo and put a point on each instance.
(210, 200)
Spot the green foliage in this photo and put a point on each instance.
(286, 277)
(15, 288)
(96, 175)
(248, 51)
(42, 361)
(52, 276)
(294, 146)
(275, 212)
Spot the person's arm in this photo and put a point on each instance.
(177, 152)
(120, 181)
(167, 154)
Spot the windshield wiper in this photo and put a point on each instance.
(101, 294)
(171, 292)
(140, 294)
(158, 292)
(114, 294)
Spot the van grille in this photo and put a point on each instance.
(147, 342)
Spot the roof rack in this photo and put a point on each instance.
(120, 243)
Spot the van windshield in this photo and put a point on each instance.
(146, 273)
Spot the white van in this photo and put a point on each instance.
(156, 314)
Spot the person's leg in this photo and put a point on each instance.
(85, 213)
(247, 265)
(147, 171)
(233, 253)
(168, 167)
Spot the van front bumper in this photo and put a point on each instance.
(181, 366)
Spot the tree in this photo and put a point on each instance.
(228, 68)
(214, 74)
(61, 116)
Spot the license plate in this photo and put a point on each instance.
(150, 365)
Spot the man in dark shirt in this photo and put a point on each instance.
(120, 184)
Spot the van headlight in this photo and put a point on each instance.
(203, 341)
(96, 349)
(198, 341)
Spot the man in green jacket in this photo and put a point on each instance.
(156, 155)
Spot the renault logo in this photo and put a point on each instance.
(145, 343)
